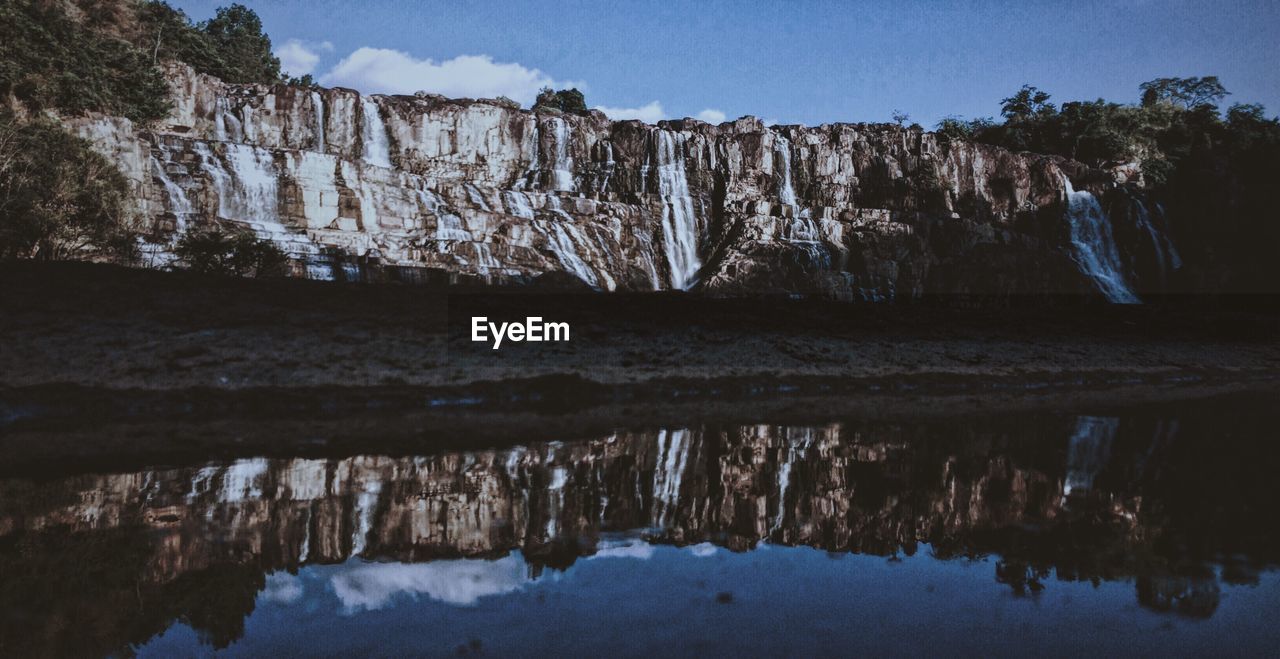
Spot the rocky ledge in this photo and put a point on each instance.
(354, 187)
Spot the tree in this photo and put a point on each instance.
(564, 100)
(899, 117)
(235, 252)
(245, 52)
(59, 199)
(1028, 103)
(1185, 92)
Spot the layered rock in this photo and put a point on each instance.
(344, 182)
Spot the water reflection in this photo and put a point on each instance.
(1173, 509)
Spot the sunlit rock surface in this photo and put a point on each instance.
(350, 184)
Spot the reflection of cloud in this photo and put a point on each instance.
(627, 549)
(702, 550)
(460, 582)
(283, 588)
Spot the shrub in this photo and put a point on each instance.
(230, 46)
(564, 100)
(236, 252)
(59, 199)
(49, 61)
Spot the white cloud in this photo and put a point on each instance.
(461, 582)
(712, 116)
(631, 549)
(384, 71)
(298, 58)
(649, 113)
(283, 588)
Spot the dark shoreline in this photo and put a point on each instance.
(102, 364)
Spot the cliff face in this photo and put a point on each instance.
(481, 188)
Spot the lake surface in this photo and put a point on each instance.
(1147, 529)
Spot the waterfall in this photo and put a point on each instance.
(562, 170)
(1088, 451)
(226, 126)
(373, 133)
(364, 509)
(673, 457)
(317, 105)
(782, 151)
(564, 240)
(784, 470)
(179, 203)
(1166, 255)
(609, 166)
(248, 192)
(518, 204)
(679, 223)
(1094, 247)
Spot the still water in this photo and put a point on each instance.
(1145, 529)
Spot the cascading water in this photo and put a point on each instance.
(674, 447)
(1089, 451)
(1094, 247)
(317, 106)
(373, 133)
(179, 203)
(609, 166)
(782, 169)
(679, 222)
(795, 449)
(1167, 257)
(247, 188)
(565, 241)
(562, 169)
(226, 126)
(518, 204)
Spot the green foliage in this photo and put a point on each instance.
(59, 198)
(230, 46)
(105, 57)
(1028, 103)
(236, 252)
(960, 129)
(49, 61)
(1214, 174)
(565, 100)
(1185, 92)
(245, 52)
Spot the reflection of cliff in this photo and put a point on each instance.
(194, 543)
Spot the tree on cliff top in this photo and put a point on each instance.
(230, 46)
(236, 35)
(1185, 92)
(564, 100)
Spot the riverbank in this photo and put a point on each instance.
(105, 327)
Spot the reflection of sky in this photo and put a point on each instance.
(460, 582)
(782, 600)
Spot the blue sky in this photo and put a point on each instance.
(801, 61)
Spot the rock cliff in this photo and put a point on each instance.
(356, 186)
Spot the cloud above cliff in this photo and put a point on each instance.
(712, 116)
(653, 112)
(648, 113)
(385, 71)
(298, 57)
